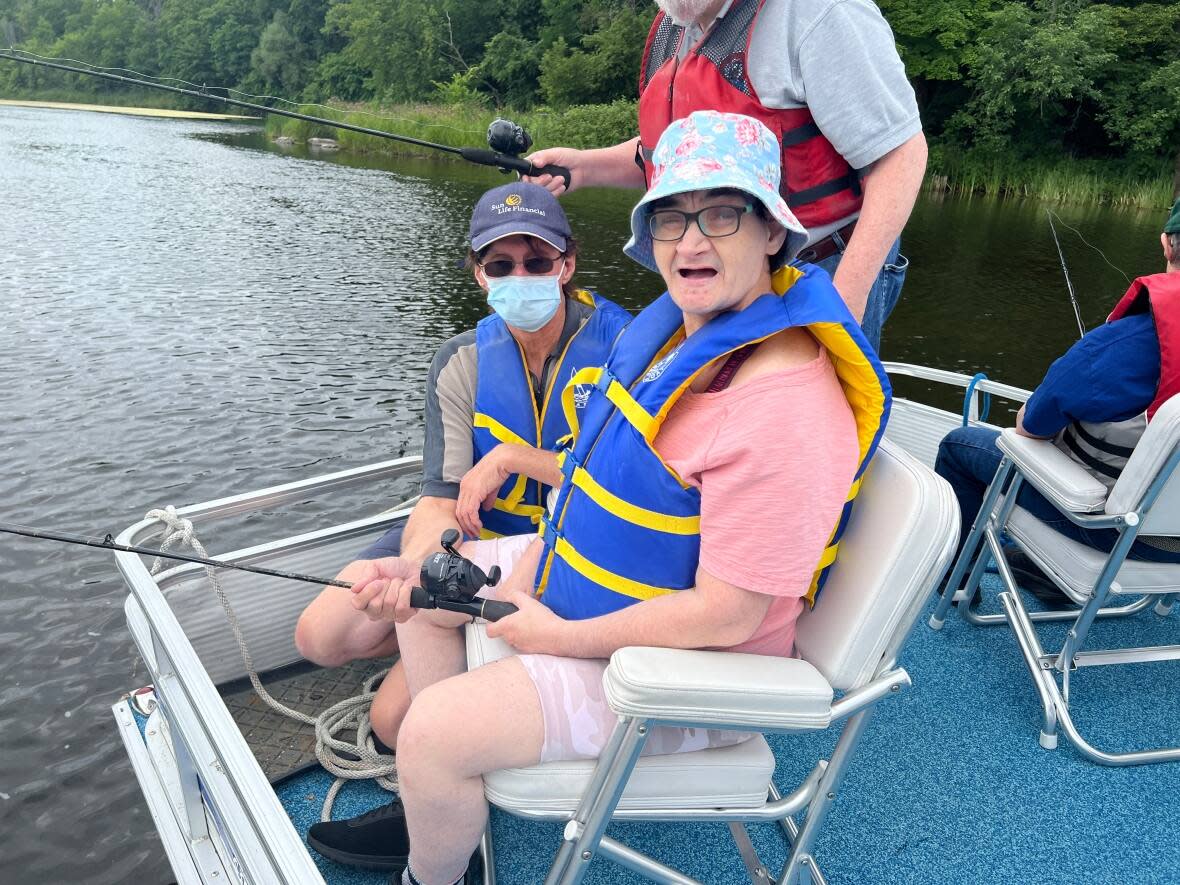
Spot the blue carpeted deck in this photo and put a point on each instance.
(949, 786)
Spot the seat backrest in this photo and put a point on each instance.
(1151, 455)
(899, 541)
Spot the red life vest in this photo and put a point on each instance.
(1158, 294)
(817, 183)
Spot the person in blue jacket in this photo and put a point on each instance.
(1094, 402)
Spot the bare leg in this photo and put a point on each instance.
(330, 632)
(432, 648)
(390, 705)
(442, 758)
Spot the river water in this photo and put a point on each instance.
(189, 312)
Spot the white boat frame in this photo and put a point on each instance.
(218, 817)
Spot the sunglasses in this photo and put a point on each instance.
(536, 266)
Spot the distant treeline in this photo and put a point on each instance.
(1003, 85)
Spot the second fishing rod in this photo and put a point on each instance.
(506, 140)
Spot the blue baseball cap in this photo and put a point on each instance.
(710, 150)
(518, 208)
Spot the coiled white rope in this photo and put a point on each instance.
(346, 761)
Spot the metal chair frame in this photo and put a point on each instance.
(1051, 671)
(810, 801)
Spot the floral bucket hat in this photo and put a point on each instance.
(708, 150)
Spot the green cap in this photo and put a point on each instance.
(1172, 225)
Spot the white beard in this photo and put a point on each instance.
(684, 12)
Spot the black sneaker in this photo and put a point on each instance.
(1030, 577)
(375, 840)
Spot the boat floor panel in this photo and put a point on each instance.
(279, 743)
(950, 784)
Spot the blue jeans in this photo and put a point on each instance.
(968, 458)
(884, 294)
(389, 544)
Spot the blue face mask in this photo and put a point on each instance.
(526, 302)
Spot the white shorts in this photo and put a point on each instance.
(578, 720)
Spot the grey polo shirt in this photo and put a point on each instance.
(447, 451)
(839, 59)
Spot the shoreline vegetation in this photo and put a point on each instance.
(1067, 180)
(1072, 101)
(950, 171)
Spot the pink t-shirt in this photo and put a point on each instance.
(774, 460)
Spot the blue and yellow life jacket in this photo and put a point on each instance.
(625, 527)
(506, 411)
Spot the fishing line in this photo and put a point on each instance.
(305, 104)
(504, 155)
(1091, 245)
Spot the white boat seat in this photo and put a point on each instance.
(895, 549)
(1058, 477)
(1144, 501)
(742, 771)
(1075, 567)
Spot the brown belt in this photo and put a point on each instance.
(834, 242)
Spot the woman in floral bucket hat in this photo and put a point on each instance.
(702, 492)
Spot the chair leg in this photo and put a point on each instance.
(584, 831)
(1030, 648)
(1055, 698)
(797, 869)
(968, 554)
(487, 850)
(1163, 608)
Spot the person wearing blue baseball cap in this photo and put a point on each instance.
(744, 403)
(492, 413)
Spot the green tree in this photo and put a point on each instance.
(606, 67)
(279, 57)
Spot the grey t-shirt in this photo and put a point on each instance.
(448, 451)
(839, 59)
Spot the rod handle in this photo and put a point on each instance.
(488, 609)
(485, 157)
(493, 610)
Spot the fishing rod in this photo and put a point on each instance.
(448, 580)
(108, 543)
(506, 140)
(1068, 284)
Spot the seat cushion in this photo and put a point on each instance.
(1056, 475)
(1076, 566)
(724, 776)
(725, 689)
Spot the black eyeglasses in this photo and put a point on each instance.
(714, 221)
(536, 266)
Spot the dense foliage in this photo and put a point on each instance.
(998, 80)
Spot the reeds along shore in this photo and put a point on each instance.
(1062, 181)
(1065, 180)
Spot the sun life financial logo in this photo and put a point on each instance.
(512, 203)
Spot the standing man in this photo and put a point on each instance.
(826, 79)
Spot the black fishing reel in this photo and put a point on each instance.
(450, 582)
(506, 137)
(507, 142)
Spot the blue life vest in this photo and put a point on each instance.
(625, 527)
(506, 410)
